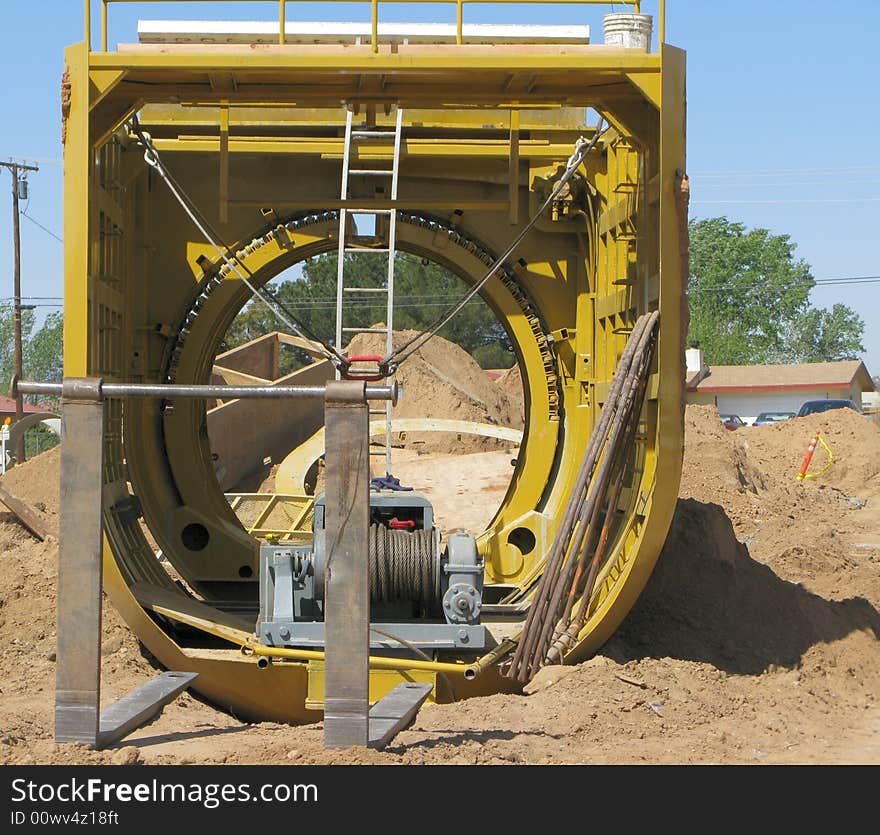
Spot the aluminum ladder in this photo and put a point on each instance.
(354, 136)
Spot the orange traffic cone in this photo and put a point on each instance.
(805, 465)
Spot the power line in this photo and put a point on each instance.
(38, 298)
(44, 228)
(865, 279)
(788, 183)
(827, 282)
(791, 200)
(44, 160)
(780, 172)
(48, 231)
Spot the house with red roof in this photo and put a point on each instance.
(7, 408)
(748, 390)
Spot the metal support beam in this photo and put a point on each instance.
(78, 669)
(199, 392)
(392, 713)
(78, 716)
(514, 167)
(141, 705)
(347, 605)
(224, 162)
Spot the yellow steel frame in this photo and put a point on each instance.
(374, 14)
(294, 508)
(487, 129)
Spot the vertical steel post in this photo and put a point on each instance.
(78, 670)
(347, 603)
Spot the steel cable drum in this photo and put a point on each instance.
(145, 300)
(404, 566)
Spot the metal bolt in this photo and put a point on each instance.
(284, 632)
(463, 635)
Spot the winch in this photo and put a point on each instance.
(420, 595)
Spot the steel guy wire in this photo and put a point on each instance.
(582, 148)
(151, 157)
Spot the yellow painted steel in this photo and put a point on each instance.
(147, 301)
(374, 13)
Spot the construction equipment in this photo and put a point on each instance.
(205, 159)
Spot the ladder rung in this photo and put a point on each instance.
(371, 172)
(365, 330)
(370, 133)
(378, 452)
(364, 289)
(377, 411)
(366, 249)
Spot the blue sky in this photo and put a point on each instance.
(783, 120)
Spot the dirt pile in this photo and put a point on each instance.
(36, 483)
(28, 625)
(441, 380)
(823, 530)
(512, 384)
(755, 641)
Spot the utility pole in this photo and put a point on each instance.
(19, 189)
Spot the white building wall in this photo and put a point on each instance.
(748, 405)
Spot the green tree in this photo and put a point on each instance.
(821, 335)
(7, 341)
(42, 355)
(423, 292)
(41, 360)
(749, 300)
(744, 286)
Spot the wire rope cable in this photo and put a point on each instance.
(403, 565)
(151, 157)
(582, 149)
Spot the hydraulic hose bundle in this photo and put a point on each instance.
(584, 531)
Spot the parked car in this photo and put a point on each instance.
(772, 417)
(732, 421)
(812, 407)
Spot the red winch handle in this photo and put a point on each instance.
(404, 524)
(347, 373)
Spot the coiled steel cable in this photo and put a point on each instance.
(403, 566)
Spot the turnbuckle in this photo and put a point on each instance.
(383, 368)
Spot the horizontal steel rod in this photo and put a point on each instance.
(169, 391)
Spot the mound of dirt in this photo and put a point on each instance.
(511, 382)
(822, 531)
(754, 641)
(441, 380)
(36, 483)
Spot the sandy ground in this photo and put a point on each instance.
(755, 641)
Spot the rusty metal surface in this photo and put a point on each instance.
(78, 670)
(347, 605)
(392, 713)
(142, 704)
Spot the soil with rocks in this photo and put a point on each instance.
(755, 641)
